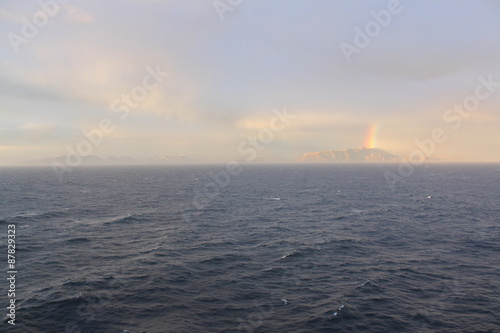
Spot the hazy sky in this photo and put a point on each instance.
(226, 76)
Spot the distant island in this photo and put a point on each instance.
(113, 160)
(333, 156)
(350, 155)
(85, 160)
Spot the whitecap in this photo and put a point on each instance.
(294, 252)
(363, 284)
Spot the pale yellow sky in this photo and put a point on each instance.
(172, 78)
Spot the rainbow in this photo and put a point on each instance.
(370, 139)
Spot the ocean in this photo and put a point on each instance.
(275, 248)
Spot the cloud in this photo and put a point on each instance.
(77, 15)
(226, 77)
(10, 15)
(36, 134)
(36, 127)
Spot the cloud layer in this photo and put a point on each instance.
(225, 77)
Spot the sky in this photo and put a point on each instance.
(382, 74)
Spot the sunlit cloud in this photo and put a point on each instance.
(77, 15)
(11, 16)
(226, 78)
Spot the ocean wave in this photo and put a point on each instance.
(78, 240)
(45, 215)
(301, 252)
(228, 258)
(294, 253)
(123, 219)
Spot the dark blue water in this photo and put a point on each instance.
(279, 249)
